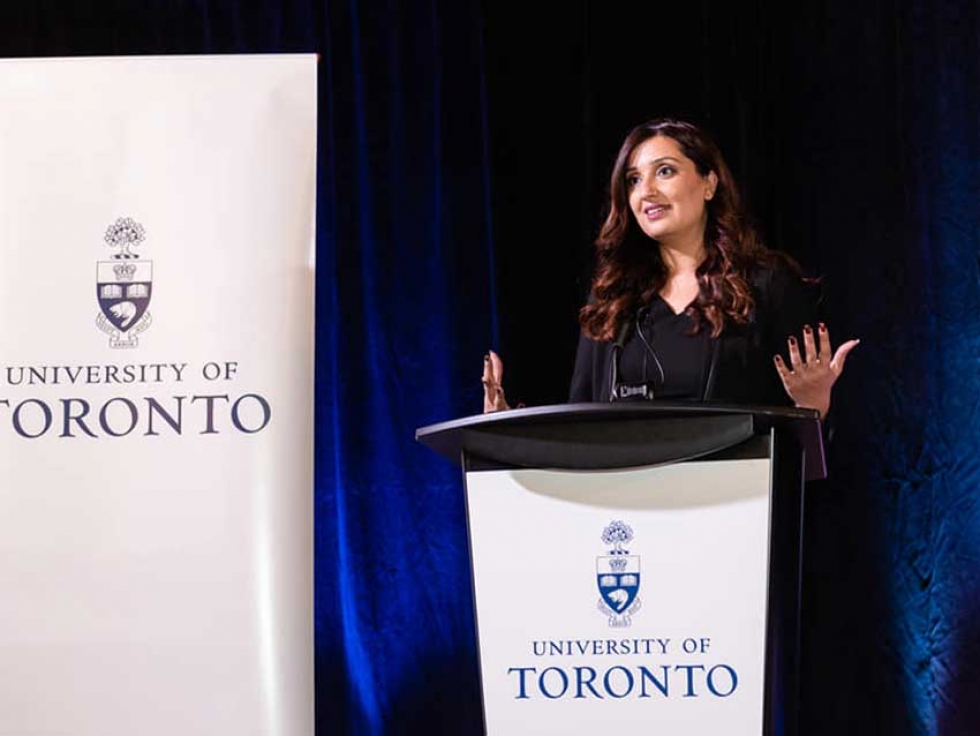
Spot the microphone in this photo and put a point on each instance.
(621, 337)
(645, 390)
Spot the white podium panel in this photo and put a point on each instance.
(622, 599)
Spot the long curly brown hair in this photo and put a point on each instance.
(629, 269)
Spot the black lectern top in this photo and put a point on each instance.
(598, 436)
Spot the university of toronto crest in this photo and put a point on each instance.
(618, 576)
(124, 286)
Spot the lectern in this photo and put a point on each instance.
(636, 566)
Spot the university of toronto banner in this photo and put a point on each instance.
(156, 395)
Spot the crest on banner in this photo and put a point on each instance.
(124, 285)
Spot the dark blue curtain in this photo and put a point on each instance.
(930, 483)
(856, 132)
(405, 312)
(888, 205)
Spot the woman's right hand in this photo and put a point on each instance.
(493, 390)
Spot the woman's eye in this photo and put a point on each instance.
(632, 180)
(665, 171)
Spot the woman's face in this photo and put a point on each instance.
(666, 193)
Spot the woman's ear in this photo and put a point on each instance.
(711, 180)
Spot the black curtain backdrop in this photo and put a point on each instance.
(464, 150)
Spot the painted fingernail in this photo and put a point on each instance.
(486, 358)
(807, 329)
(823, 327)
(792, 340)
(777, 359)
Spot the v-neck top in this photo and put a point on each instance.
(739, 362)
(664, 352)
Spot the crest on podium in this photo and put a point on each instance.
(618, 576)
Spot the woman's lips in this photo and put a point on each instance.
(655, 211)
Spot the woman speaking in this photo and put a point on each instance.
(686, 303)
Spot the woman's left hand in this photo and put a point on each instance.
(810, 376)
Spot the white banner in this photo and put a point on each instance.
(622, 602)
(156, 393)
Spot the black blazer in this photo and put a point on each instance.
(741, 369)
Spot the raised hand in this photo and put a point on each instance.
(493, 390)
(810, 376)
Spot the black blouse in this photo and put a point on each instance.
(665, 353)
(736, 367)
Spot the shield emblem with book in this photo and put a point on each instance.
(124, 291)
(618, 578)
